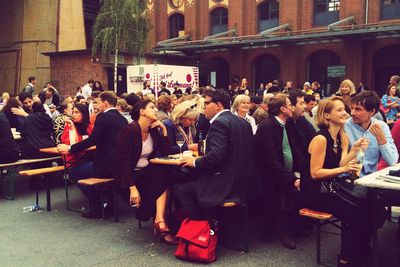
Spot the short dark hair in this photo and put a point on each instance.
(95, 94)
(50, 89)
(63, 106)
(275, 104)
(294, 94)
(23, 96)
(31, 78)
(309, 98)
(141, 104)
(132, 99)
(38, 107)
(163, 83)
(110, 97)
(79, 97)
(90, 81)
(219, 95)
(368, 99)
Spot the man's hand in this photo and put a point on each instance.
(19, 111)
(188, 162)
(63, 148)
(377, 131)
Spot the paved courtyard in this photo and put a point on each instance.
(63, 238)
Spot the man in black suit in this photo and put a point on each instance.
(104, 136)
(279, 162)
(222, 174)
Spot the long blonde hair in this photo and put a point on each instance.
(326, 106)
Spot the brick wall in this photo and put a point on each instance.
(70, 71)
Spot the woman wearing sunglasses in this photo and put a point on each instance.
(182, 122)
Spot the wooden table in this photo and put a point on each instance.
(170, 160)
(54, 150)
(374, 181)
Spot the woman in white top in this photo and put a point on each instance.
(241, 107)
(140, 183)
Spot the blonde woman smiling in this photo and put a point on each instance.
(241, 107)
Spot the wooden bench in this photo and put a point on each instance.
(18, 163)
(43, 171)
(100, 183)
(323, 218)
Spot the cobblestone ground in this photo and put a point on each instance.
(64, 238)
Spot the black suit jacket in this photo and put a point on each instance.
(104, 137)
(9, 149)
(269, 156)
(226, 169)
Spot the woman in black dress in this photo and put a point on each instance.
(330, 157)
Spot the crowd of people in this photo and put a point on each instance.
(278, 148)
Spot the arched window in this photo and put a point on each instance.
(390, 9)
(326, 12)
(268, 15)
(219, 20)
(176, 23)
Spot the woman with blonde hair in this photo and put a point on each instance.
(329, 158)
(182, 120)
(241, 107)
(346, 91)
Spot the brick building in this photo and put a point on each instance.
(261, 40)
(264, 40)
(50, 39)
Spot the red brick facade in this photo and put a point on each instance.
(356, 53)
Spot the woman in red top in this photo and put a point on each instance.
(76, 130)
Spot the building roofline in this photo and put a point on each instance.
(255, 41)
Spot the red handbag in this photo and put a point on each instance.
(197, 241)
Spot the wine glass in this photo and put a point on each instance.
(180, 140)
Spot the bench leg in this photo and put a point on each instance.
(115, 202)
(37, 190)
(48, 199)
(102, 202)
(318, 234)
(66, 190)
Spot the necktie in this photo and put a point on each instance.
(287, 152)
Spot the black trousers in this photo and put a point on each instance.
(356, 223)
(186, 193)
(151, 182)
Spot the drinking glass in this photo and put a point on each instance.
(180, 140)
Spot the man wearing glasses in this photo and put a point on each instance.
(279, 163)
(226, 170)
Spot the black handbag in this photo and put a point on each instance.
(344, 188)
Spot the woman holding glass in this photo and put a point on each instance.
(140, 183)
(181, 127)
(330, 157)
